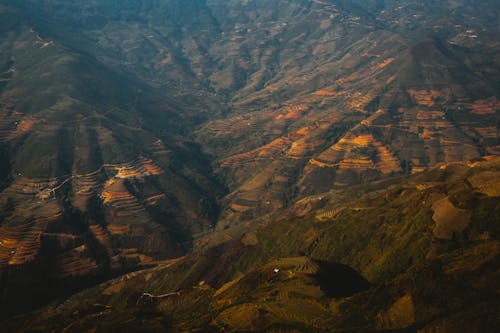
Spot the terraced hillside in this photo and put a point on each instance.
(130, 131)
(92, 182)
(365, 125)
(413, 269)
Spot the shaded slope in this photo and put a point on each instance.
(98, 178)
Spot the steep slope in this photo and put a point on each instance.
(424, 270)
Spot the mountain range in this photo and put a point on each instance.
(164, 158)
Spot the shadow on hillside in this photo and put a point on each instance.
(338, 280)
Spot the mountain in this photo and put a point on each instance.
(417, 253)
(98, 177)
(133, 133)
